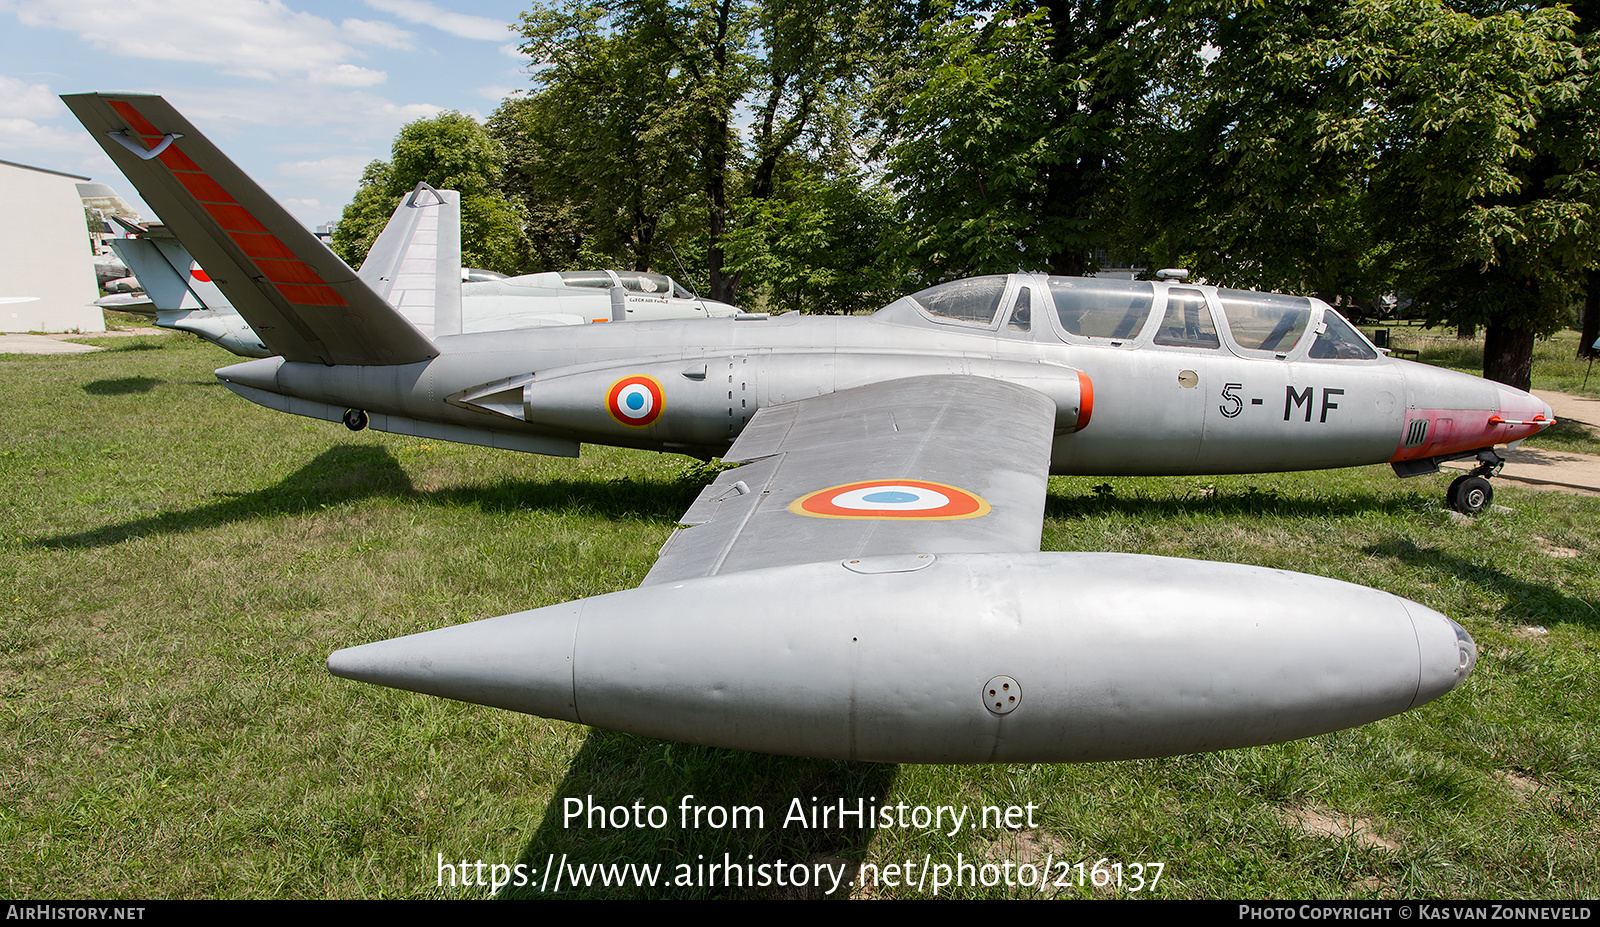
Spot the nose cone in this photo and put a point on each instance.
(1447, 653)
(260, 374)
(522, 662)
(1515, 405)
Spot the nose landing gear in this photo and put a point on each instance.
(1471, 494)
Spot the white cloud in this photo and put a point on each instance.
(339, 171)
(374, 32)
(457, 24)
(27, 101)
(496, 93)
(347, 75)
(327, 110)
(513, 50)
(26, 134)
(261, 39)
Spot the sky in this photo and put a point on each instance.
(301, 95)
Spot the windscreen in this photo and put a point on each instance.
(1338, 341)
(974, 300)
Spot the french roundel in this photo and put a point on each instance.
(636, 401)
(891, 499)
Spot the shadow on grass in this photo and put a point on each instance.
(348, 473)
(352, 472)
(1529, 601)
(1566, 435)
(123, 386)
(1223, 502)
(705, 861)
(125, 344)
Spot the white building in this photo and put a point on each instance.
(47, 279)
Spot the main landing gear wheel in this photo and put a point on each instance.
(1470, 494)
(355, 419)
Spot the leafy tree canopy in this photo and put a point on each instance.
(1367, 146)
(450, 151)
(1006, 129)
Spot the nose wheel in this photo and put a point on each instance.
(355, 419)
(1471, 494)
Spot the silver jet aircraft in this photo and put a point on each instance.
(179, 294)
(868, 583)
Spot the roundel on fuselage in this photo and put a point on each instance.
(635, 401)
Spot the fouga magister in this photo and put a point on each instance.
(868, 583)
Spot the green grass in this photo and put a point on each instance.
(178, 563)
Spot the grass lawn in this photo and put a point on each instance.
(178, 563)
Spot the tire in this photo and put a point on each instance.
(355, 419)
(1470, 495)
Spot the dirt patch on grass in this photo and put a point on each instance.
(1554, 550)
(1521, 784)
(1372, 885)
(1323, 823)
(1531, 632)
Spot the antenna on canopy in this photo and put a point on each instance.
(685, 271)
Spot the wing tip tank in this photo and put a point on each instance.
(1117, 656)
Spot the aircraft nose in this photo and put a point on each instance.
(1515, 405)
(1447, 653)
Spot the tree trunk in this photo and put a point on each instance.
(1508, 355)
(723, 287)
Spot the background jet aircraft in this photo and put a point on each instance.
(180, 295)
(868, 584)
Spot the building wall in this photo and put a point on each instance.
(46, 271)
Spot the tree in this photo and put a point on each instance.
(830, 245)
(627, 143)
(449, 151)
(1234, 175)
(633, 107)
(1587, 29)
(1371, 145)
(1007, 127)
(1486, 155)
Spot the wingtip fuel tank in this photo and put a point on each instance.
(953, 658)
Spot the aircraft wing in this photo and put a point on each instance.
(867, 586)
(924, 465)
(302, 300)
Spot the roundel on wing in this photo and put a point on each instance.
(635, 401)
(917, 499)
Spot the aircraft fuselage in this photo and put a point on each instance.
(1125, 407)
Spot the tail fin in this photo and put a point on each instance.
(416, 262)
(304, 302)
(160, 278)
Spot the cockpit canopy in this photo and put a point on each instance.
(1136, 313)
(630, 280)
